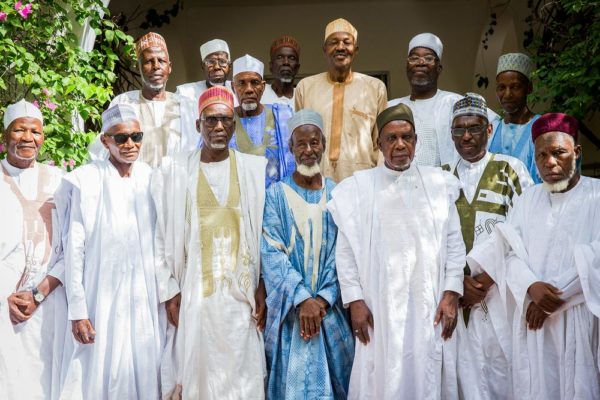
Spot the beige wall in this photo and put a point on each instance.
(384, 30)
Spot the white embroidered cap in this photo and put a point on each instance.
(213, 46)
(118, 114)
(305, 117)
(429, 41)
(21, 109)
(248, 63)
(518, 62)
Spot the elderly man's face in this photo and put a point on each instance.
(397, 141)
(307, 145)
(249, 88)
(23, 138)
(340, 49)
(285, 64)
(423, 71)
(216, 124)
(155, 68)
(123, 141)
(555, 156)
(216, 67)
(470, 135)
(512, 89)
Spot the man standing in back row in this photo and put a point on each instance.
(284, 65)
(348, 102)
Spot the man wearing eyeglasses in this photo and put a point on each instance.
(261, 129)
(210, 209)
(216, 66)
(112, 295)
(167, 119)
(432, 107)
(490, 185)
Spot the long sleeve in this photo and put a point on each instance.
(455, 254)
(328, 287)
(75, 260)
(347, 270)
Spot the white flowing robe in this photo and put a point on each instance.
(110, 280)
(554, 238)
(399, 248)
(30, 352)
(216, 352)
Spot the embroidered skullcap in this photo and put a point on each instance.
(21, 109)
(555, 122)
(429, 41)
(150, 39)
(305, 117)
(118, 114)
(340, 25)
(248, 63)
(399, 112)
(213, 46)
(515, 62)
(215, 95)
(285, 41)
(471, 104)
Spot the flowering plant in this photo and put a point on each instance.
(41, 60)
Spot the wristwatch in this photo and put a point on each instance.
(37, 296)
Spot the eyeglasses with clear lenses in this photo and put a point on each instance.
(213, 121)
(471, 130)
(428, 59)
(122, 138)
(211, 62)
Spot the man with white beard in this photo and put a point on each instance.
(261, 129)
(167, 119)
(114, 348)
(546, 262)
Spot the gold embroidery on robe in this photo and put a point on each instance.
(245, 143)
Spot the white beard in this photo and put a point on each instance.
(218, 146)
(14, 153)
(307, 171)
(560, 185)
(249, 106)
(286, 80)
(216, 83)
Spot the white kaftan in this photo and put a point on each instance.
(216, 352)
(554, 238)
(399, 247)
(30, 249)
(270, 97)
(110, 280)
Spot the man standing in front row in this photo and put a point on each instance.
(400, 258)
(546, 261)
(210, 205)
(115, 348)
(490, 185)
(348, 102)
(32, 301)
(308, 339)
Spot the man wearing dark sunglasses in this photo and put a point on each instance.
(490, 185)
(112, 294)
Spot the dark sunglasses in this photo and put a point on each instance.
(122, 138)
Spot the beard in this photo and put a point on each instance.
(562, 185)
(154, 86)
(307, 171)
(249, 106)
(218, 146)
(14, 153)
(217, 83)
(286, 80)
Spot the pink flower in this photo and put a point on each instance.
(26, 10)
(3, 16)
(50, 105)
(51, 162)
(64, 163)
(18, 5)
(46, 91)
(71, 163)
(36, 103)
(2, 148)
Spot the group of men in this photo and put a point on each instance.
(238, 240)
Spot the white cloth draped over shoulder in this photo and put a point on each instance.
(30, 249)
(399, 248)
(110, 280)
(216, 352)
(554, 238)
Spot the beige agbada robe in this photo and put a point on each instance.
(349, 110)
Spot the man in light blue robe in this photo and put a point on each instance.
(308, 339)
(261, 129)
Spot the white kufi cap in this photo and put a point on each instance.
(427, 40)
(118, 114)
(21, 109)
(305, 117)
(213, 46)
(248, 63)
